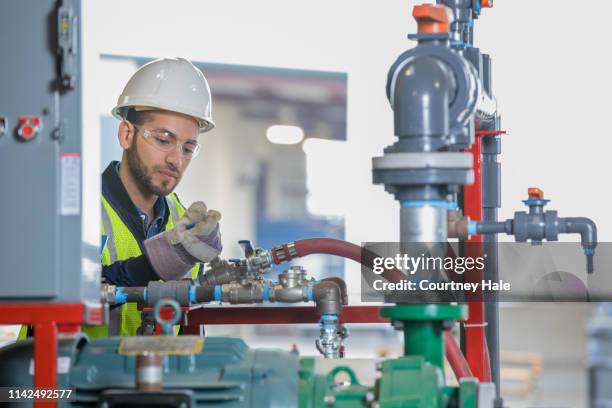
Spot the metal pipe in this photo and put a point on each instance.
(237, 293)
(148, 372)
(205, 293)
(134, 294)
(424, 222)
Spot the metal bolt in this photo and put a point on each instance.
(369, 397)
(329, 400)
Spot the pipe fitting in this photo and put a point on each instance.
(294, 294)
(420, 97)
(107, 293)
(177, 290)
(583, 226)
(237, 293)
(457, 225)
(331, 336)
(205, 293)
(343, 289)
(328, 298)
(292, 277)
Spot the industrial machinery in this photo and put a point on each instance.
(443, 170)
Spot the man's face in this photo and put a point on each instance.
(157, 172)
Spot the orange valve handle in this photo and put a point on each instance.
(535, 192)
(431, 19)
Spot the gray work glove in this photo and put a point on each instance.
(195, 238)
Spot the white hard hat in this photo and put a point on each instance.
(172, 84)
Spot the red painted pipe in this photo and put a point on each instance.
(455, 357)
(475, 340)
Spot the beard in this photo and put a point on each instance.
(143, 175)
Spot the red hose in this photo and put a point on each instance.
(455, 357)
(336, 247)
(348, 250)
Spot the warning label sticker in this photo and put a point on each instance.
(70, 185)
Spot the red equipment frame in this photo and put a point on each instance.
(48, 319)
(275, 315)
(475, 340)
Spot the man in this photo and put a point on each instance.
(146, 232)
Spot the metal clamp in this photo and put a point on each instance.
(468, 325)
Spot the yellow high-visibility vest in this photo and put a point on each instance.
(122, 245)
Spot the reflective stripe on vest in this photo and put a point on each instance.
(121, 245)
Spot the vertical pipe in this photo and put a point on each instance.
(424, 338)
(491, 201)
(424, 223)
(148, 372)
(491, 176)
(474, 326)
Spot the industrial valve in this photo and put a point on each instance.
(537, 225)
(257, 260)
(331, 337)
(228, 282)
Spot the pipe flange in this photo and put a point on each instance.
(551, 220)
(438, 160)
(423, 176)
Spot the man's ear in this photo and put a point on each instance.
(125, 134)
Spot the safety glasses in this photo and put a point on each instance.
(166, 141)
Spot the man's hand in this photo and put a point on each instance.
(195, 238)
(198, 232)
